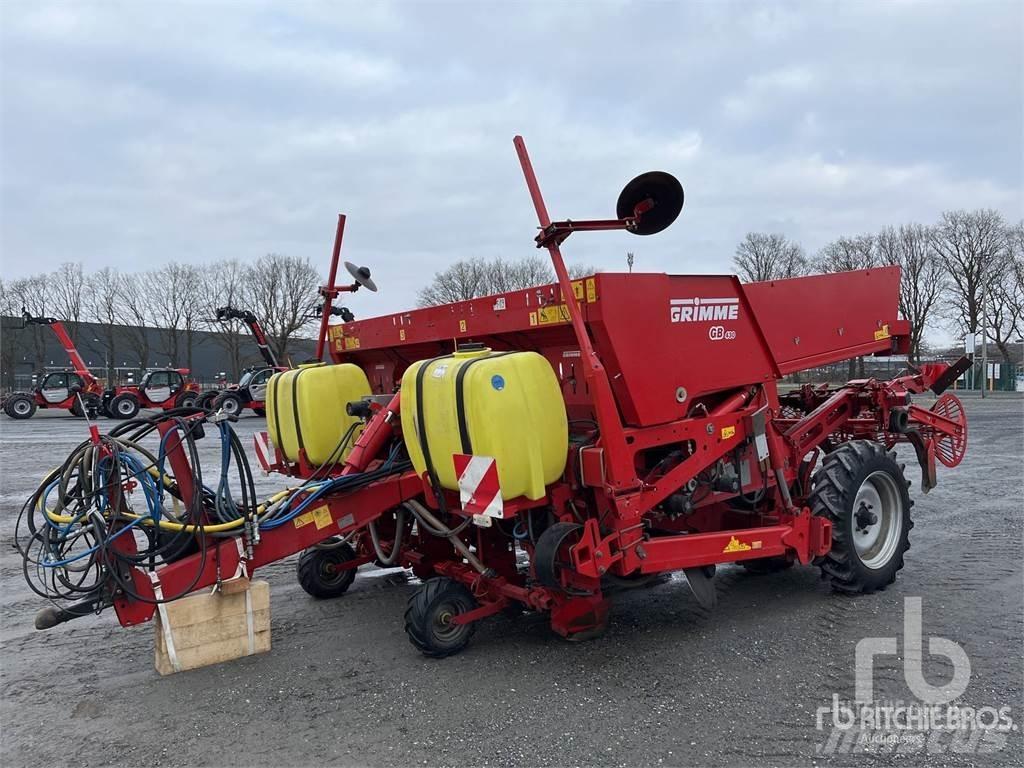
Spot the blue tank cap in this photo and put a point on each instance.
(498, 382)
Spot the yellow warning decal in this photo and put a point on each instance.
(351, 342)
(401, 334)
(591, 290)
(882, 333)
(577, 289)
(552, 315)
(337, 337)
(321, 516)
(728, 432)
(462, 326)
(533, 318)
(735, 545)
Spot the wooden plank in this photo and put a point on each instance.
(212, 628)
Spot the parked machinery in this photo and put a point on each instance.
(544, 443)
(74, 389)
(251, 389)
(163, 388)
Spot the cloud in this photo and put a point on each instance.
(134, 135)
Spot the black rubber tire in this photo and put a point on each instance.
(186, 399)
(205, 400)
(317, 580)
(260, 411)
(763, 565)
(233, 402)
(546, 552)
(424, 617)
(119, 409)
(25, 412)
(835, 487)
(93, 405)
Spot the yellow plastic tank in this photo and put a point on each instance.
(508, 406)
(306, 409)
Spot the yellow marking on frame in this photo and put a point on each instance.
(735, 545)
(552, 315)
(401, 334)
(882, 333)
(577, 289)
(462, 326)
(533, 318)
(728, 432)
(591, 290)
(321, 516)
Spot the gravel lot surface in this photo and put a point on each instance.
(669, 684)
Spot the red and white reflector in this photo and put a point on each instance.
(479, 490)
(263, 451)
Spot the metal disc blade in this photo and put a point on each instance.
(361, 275)
(702, 586)
(663, 189)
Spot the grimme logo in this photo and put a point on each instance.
(936, 722)
(697, 310)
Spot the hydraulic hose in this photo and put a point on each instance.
(438, 528)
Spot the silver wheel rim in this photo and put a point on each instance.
(877, 520)
(229, 406)
(22, 407)
(125, 407)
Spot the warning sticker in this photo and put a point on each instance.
(321, 517)
(735, 545)
(552, 315)
(882, 333)
(728, 432)
(591, 290)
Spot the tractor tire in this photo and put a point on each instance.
(20, 407)
(260, 411)
(316, 573)
(93, 405)
(228, 402)
(861, 490)
(428, 617)
(763, 565)
(186, 400)
(124, 406)
(205, 400)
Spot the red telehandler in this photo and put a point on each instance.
(73, 389)
(77, 390)
(251, 389)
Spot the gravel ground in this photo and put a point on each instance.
(669, 684)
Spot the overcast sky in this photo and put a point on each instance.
(134, 133)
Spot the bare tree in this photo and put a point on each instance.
(972, 246)
(847, 254)
(922, 279)
(101, 305)
(9, 348)
(175, 304)
(471, 278)
(1005, 295)
(225, 284)
(68, 285)
(284, 290)
(134, 312)
(33, 294)
(764, 256)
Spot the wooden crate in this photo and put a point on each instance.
(210, 628)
